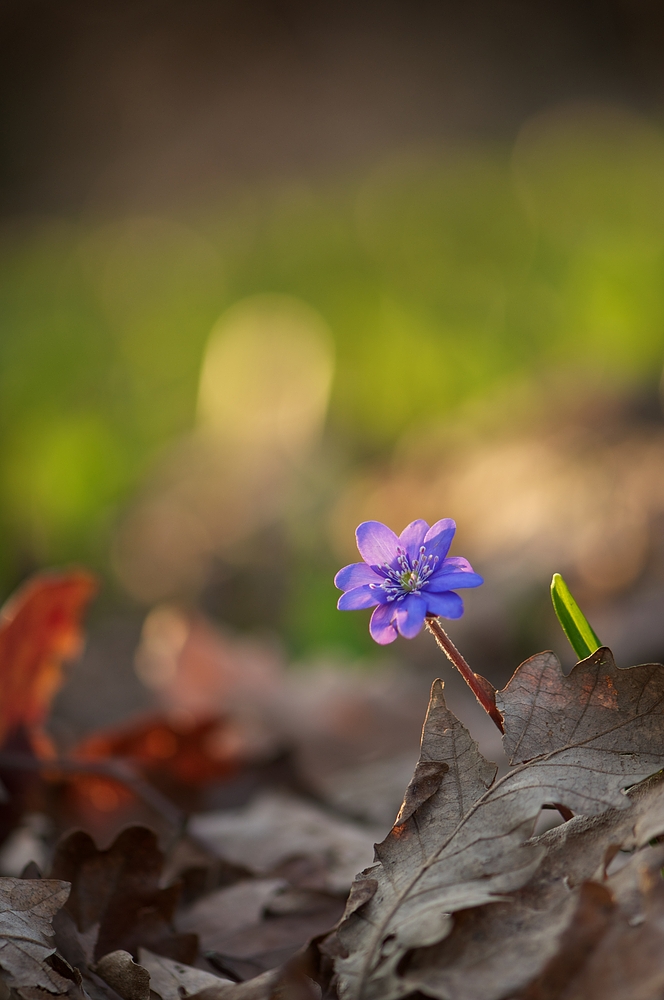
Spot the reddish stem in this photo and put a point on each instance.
(483, 690)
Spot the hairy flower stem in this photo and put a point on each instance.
(483, 690)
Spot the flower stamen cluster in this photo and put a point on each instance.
(408, 578)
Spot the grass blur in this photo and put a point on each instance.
(441, 279)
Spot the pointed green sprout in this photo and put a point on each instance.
(574, 623)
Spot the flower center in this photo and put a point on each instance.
(408, 577)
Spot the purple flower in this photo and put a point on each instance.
(408, 577)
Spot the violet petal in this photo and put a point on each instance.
(356, 575)
(452, 579)
(377, 543)
(439, 537)
(381, 628)
(412, 537)
(359, 597)
(456, 562)
(449, 605)
(410, 615)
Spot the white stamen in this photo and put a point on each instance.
(410, 577)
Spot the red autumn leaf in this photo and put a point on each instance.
(39, 629)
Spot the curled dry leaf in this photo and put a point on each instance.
(27, 908)
(129, 980)
(464, 840)
(119, 890)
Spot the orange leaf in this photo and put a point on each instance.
(188, 752)
(39, 629)
(178, 757)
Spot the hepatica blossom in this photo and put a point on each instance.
(405, 577)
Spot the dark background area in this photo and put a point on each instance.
(134, 104)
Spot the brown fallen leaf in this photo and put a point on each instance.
(27, 908)
(119, 890)
(290, 982)
(614, 712)
(590, 922)
(576, 740)
(129, 980)
(370, 791)
(230, 910)
(174, 980)
(613, 948)
(263, 987)
(494, 951)
(278, 827)
(272, 942)
(75, 952)
(258, 924)
(628, 961)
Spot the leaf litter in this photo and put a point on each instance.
(27, 909)
(464, 840)
(462, 900)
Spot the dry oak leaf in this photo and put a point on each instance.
(39, 629)
(119, 890)
(27, 908)
(614, 946)
(497, 950)
(462, 839)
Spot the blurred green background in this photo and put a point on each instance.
(459, 290)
